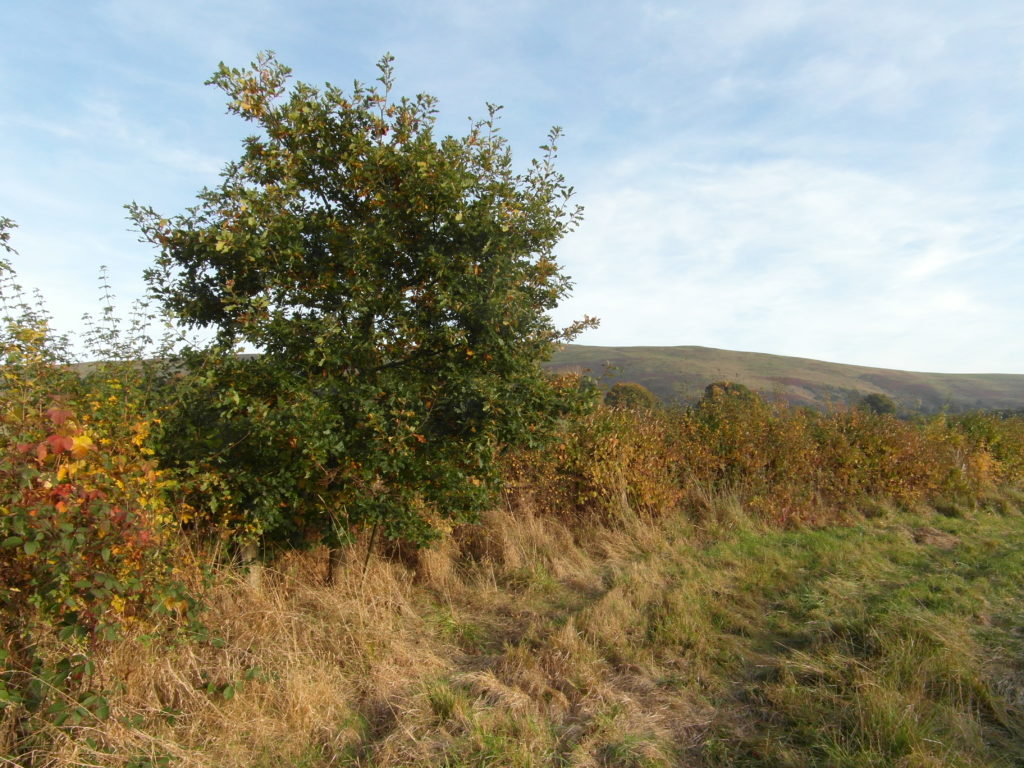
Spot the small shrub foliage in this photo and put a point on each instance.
(396, 284)
(606, 463)
(878, 403)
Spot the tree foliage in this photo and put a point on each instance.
(6, 225)
(878, 403)
(397, 286)
(630, 395)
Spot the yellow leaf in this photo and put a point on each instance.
(81, 445)
(141, 432)
(177, 606)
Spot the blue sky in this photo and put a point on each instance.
(835, 180)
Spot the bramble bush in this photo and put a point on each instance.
(603, 463)
(785, 465)
(86, 531)
(629, 394)
(999, 437)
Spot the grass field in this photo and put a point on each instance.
(894, 640)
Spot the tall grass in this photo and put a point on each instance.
(529, 642)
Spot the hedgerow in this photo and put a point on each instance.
(786, 465)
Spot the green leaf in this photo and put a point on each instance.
(8, 696)
(101, 708)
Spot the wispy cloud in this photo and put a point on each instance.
(794, 258)
(829, 179)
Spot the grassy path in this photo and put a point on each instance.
(893, 642)
(889, 643)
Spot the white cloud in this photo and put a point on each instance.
(224, 29)
(106, 122)
(794, 258)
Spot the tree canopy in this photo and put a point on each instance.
(397, 287)
(878, 403)
(630, 395)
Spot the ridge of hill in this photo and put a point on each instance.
(680, 374)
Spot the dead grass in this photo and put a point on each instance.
(531, 641)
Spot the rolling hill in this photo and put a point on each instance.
(679, 374)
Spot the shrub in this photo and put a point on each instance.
(878, 403)
(604, 464)
(86, 532)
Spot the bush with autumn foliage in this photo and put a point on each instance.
(87, 531)
(784, 465)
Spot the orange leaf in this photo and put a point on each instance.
(60, 443)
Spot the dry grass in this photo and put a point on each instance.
(530, 641)
(469, 648)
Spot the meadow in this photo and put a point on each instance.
(735, 583)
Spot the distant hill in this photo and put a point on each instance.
(680, 374)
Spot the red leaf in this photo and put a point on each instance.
(59, 443)
(59, 415)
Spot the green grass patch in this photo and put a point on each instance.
(894, 642)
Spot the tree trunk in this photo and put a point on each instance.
(254, 568)
(335, 562)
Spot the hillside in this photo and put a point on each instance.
(681, 373)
